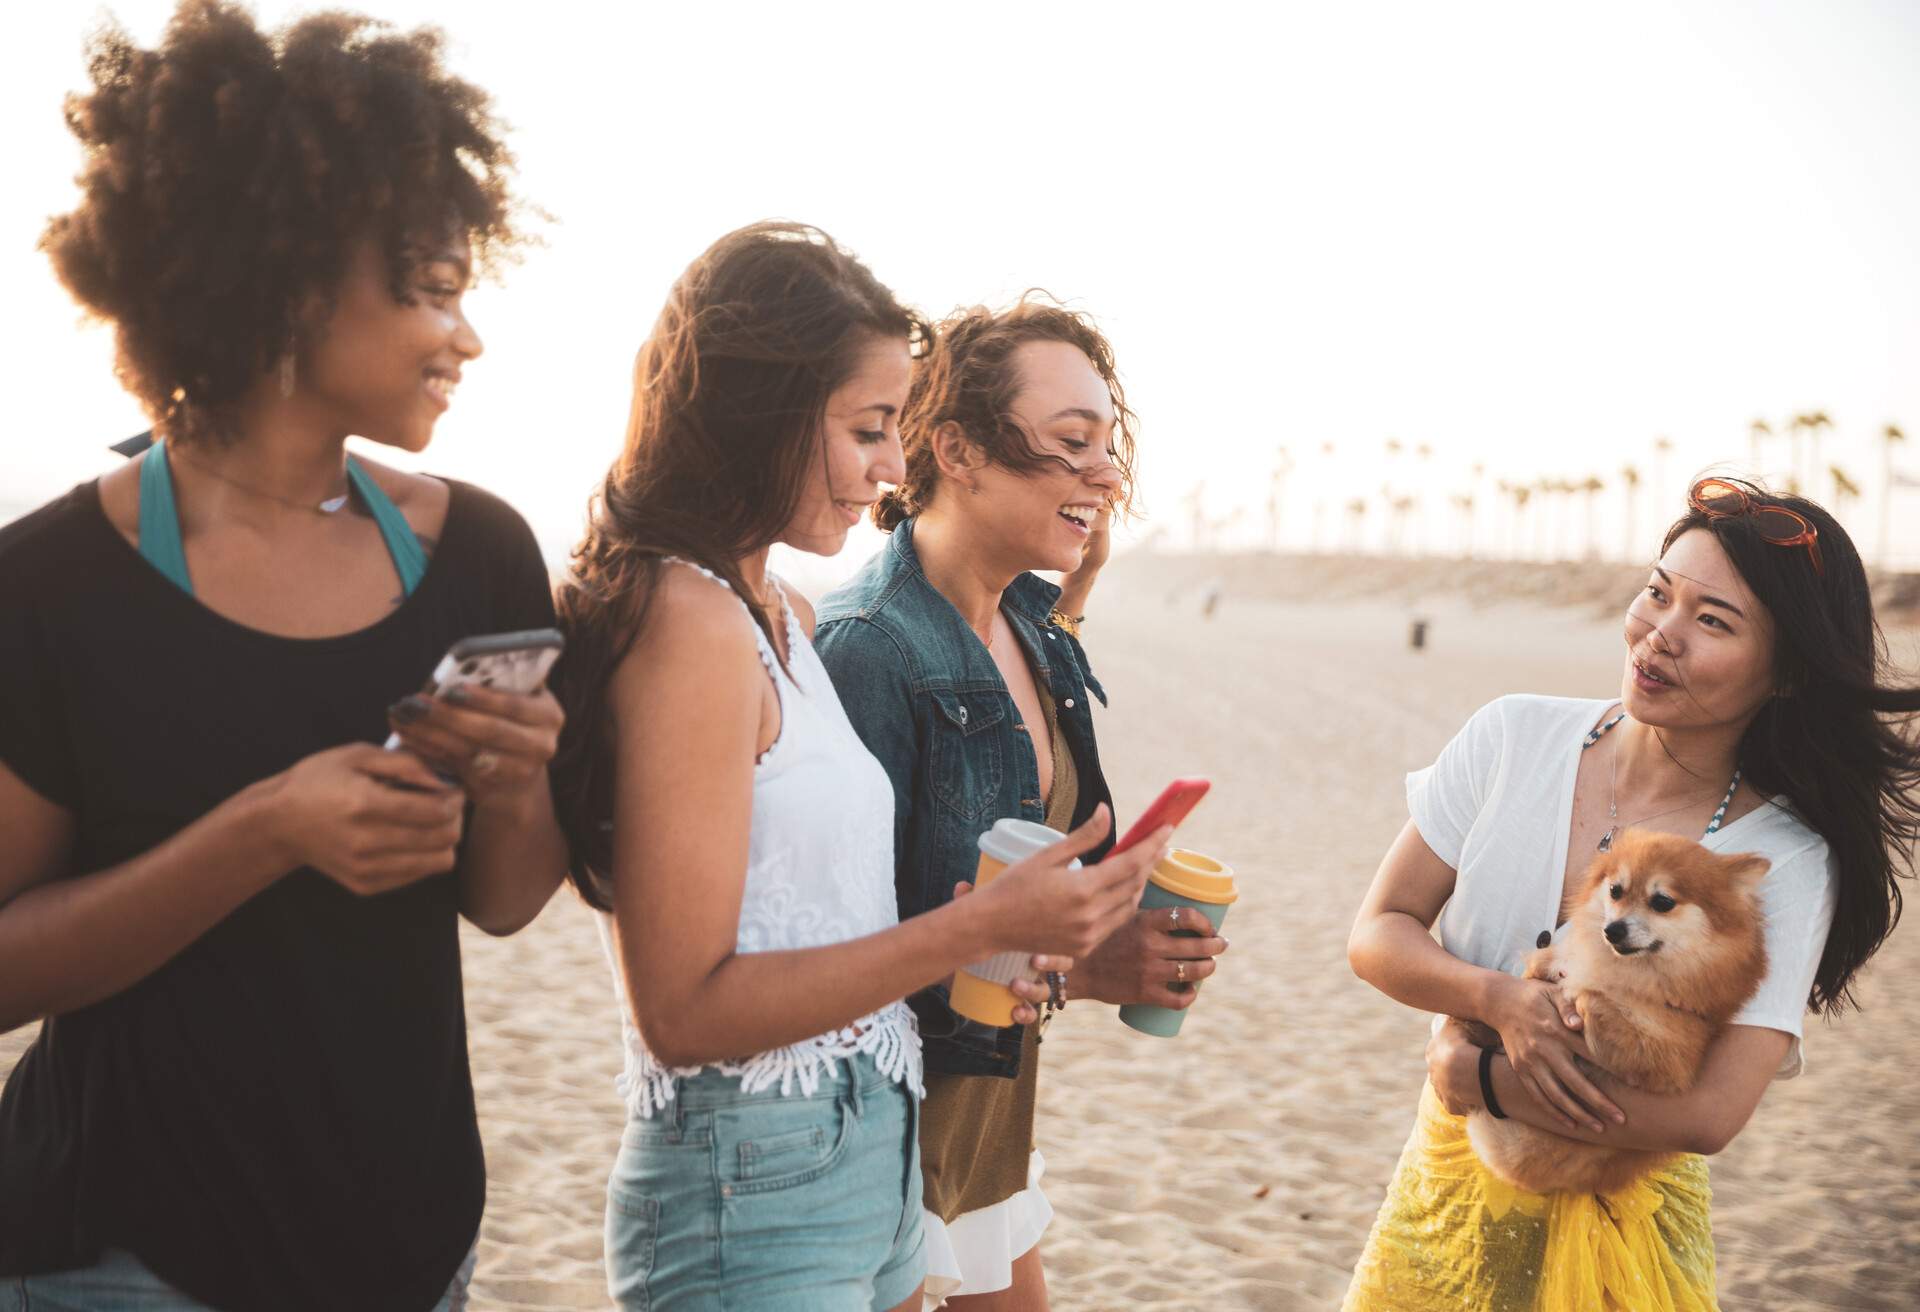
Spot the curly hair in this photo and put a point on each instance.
(230, 173)
(969, 378)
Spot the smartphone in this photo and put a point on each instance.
(1170, 808)
(508, 662)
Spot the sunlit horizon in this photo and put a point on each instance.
(1511, 238)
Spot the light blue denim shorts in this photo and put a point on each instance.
(121, 1282)
(733, 1200)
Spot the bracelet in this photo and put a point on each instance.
(1056, 1002)
(1487, 1100)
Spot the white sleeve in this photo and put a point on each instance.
(1798, 897)
(1445, 798)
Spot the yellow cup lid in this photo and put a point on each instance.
(1191, 875)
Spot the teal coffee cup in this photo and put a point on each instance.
(1182, 879)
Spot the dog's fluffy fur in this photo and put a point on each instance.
(1688, 952)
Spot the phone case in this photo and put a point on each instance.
(510, 662)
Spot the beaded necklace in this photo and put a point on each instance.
(1613, 815)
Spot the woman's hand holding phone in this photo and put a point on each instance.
(369, 819)
(497, 744)
(1041, 906)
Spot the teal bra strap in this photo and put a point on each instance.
(160, 520)
(160, 523)
(409, 557)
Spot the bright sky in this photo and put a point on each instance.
(1525, 235)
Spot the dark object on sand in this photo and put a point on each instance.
(1417, 635)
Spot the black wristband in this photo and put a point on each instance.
(1487, 1100)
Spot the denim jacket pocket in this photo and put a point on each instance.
(967, 751)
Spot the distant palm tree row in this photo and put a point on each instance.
(1412, 512)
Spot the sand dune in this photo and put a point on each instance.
(1240, 1165)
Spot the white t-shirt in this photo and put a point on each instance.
(1497, 806)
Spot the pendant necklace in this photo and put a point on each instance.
(332, 505)
(1613, 812)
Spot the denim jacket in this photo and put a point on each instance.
(929, 702)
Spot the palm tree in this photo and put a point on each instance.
(1662, 447)
(1592, 488)
(1463, 502)
(1544, 490)
(1479, 471)
(1401, 510)
(1845, 490)
(1395, 524)
(1520, 493)
(1277, 497)
(1356, 524)
(1890, 436)
(1564, 490)
(1630, 476)
(1757, 434)
(1322, 476)
(1425, 453)
(1817, 427)
(1796, 429)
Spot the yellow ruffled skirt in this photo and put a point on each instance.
(1453, 1237)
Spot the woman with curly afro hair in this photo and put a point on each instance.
(232, 912)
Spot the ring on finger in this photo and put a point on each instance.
(1173, 918)
(1180, 971)
(485, 762)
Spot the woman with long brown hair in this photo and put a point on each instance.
(725, 817)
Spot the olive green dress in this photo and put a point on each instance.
(976, 1131)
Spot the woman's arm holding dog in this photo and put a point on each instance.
(1734, 1074)
(1392, 949)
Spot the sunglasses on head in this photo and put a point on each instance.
(1718, 498)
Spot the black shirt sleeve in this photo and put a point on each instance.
(34, 742)
(523, 589)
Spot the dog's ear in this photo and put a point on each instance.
(1746, 870)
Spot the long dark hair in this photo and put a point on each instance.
(729, 391)
(1833, 741)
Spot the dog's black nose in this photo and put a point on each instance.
(1616, 930)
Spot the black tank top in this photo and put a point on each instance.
(281, 1116)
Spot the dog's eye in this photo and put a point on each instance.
(1616, 892)
(1660, 902)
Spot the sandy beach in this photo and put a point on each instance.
(1240, 1165)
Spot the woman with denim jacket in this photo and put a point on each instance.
(964, 674)
(727, 820)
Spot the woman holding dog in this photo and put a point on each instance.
(1752, 717)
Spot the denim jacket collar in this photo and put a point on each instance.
(1029, 597)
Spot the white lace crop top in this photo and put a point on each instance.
(819, 871)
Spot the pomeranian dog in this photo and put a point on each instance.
(1664, 945)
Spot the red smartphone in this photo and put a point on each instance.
(1170, 808)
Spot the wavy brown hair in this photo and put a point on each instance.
(970, 378)
(229, 174)
(1837, 743)
(729, 393)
